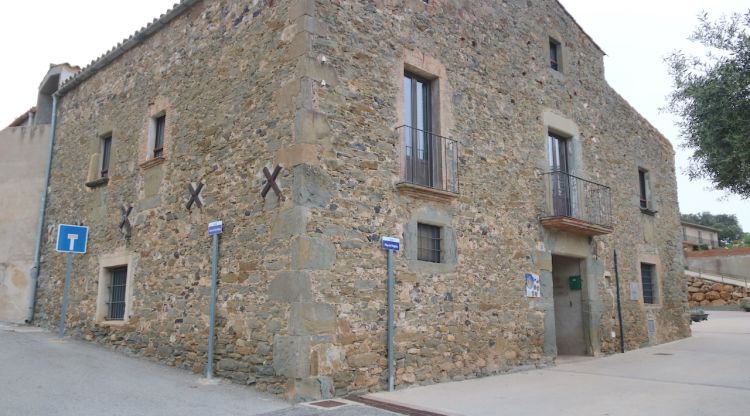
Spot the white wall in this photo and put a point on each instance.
(22, 165)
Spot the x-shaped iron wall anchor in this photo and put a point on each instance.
(124, 221)
(195, 195)
(271, 182)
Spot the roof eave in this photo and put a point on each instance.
(127, 44)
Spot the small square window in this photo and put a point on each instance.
(428, 243)
(648, 282)
(106, 155)
(159, 126)
(117, 288)
(554, 54)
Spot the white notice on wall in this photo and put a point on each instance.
(635, 292)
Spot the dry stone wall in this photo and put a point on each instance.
(315, 87)
(703, 292)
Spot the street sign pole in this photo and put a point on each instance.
(214, 229)
(64, 308)
(390, 244)
(70, 239)
(390, 320)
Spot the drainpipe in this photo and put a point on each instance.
(42, 211)
(619, 307)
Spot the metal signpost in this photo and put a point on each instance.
(390, 244)
(71, 239)
(214, 229)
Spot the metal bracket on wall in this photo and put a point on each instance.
(195, 194)
(271, 182)
(125, 225)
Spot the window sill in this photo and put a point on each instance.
(647, 211)
(112, 323)
(421, 266)
(424, 192)
(152, 162)
(97, 183)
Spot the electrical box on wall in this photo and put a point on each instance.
(574, 282)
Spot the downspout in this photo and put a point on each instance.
(42, 211)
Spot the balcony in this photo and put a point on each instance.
(430, 164)
(576, 205)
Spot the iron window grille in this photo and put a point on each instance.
(106, 155)
(159, 126)
(117, 287)
(647, 281)
(428, 243)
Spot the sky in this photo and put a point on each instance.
(636, 35)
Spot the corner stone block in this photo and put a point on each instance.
(290, 287)
(314, 388)
(301, 8)
(542, 260)
(310, 126)
(298, 154)
(312, 319)
(312, 186)
(311, 253)
(291, 356)
(291, 222)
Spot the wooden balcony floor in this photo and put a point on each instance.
(575, 226)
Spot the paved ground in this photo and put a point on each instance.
(41, 375)
(708, 374)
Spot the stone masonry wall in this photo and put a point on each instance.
(471, 319)
(315, 86)
(222, 72)
(703, 292)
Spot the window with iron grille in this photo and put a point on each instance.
(428, 243)
(106, 155)
(117, 287)
(648, 283)
(159, 126)
(554, 54)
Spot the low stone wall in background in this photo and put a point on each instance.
(709, 293)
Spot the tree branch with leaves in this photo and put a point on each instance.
(712, 98)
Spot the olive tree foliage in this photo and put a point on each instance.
(712, 99)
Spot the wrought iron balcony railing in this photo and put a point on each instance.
(587, 203)
(430, 160)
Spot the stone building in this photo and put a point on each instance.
(23, 164)
(697, 237)
(481, 133)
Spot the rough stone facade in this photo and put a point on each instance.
(317, 87)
